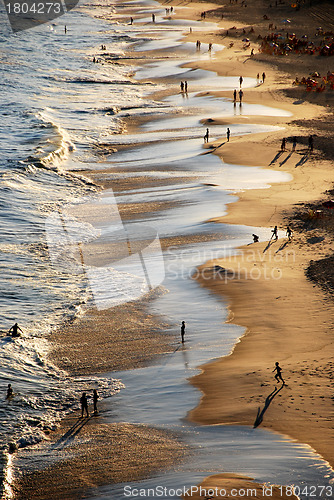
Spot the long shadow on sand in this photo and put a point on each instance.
(303, 159)
(71, 433)
(285, 244)
(260, 413)
(285, 159)
(274, 160)
(270, 242)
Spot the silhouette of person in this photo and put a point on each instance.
(228, 133)
(275, 233)
(15, 329)
(310, 143)
(240, 95)
(255, 238)
(95, 398)
(183, 329)
(278, 371)
(263, 77)
(288, 232)
(206, 137)
(84, 404)
(9, 391)
(182, 86)
(65, 29)
(153, 18)
(234, 95)
(294, 143)
(185, 86)
(240, 81)
(283, 144)
(131, 20)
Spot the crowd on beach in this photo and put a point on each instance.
(284, 44)
(315, 82)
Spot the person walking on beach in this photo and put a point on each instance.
(15, 330)
(206, 137)
(95, 398)
(275, 233)
(182, 86)
(228, 133)
(240, 81)
(278, 371)
(294, 143)
(153, 18)
(84, 405)
(186, 86)
(263, 77)
(310, 143)
(288, 233)
(283, 144)
(235, 95)
(240, 95)
(183, 329)
(255, 238)
(9, 391)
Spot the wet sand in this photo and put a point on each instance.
(222, 486)
(88, 453)
(124, 337)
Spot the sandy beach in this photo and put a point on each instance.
(287, 316)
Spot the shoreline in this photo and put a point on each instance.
(230, 152)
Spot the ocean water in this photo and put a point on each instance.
(50, 94)
(59, 111)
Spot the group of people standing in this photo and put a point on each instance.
(235, 94)
(84, 403)
(275, 234)
(184, 87)
(294, 144)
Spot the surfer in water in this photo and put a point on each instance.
(9, 391)
(15, 330)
